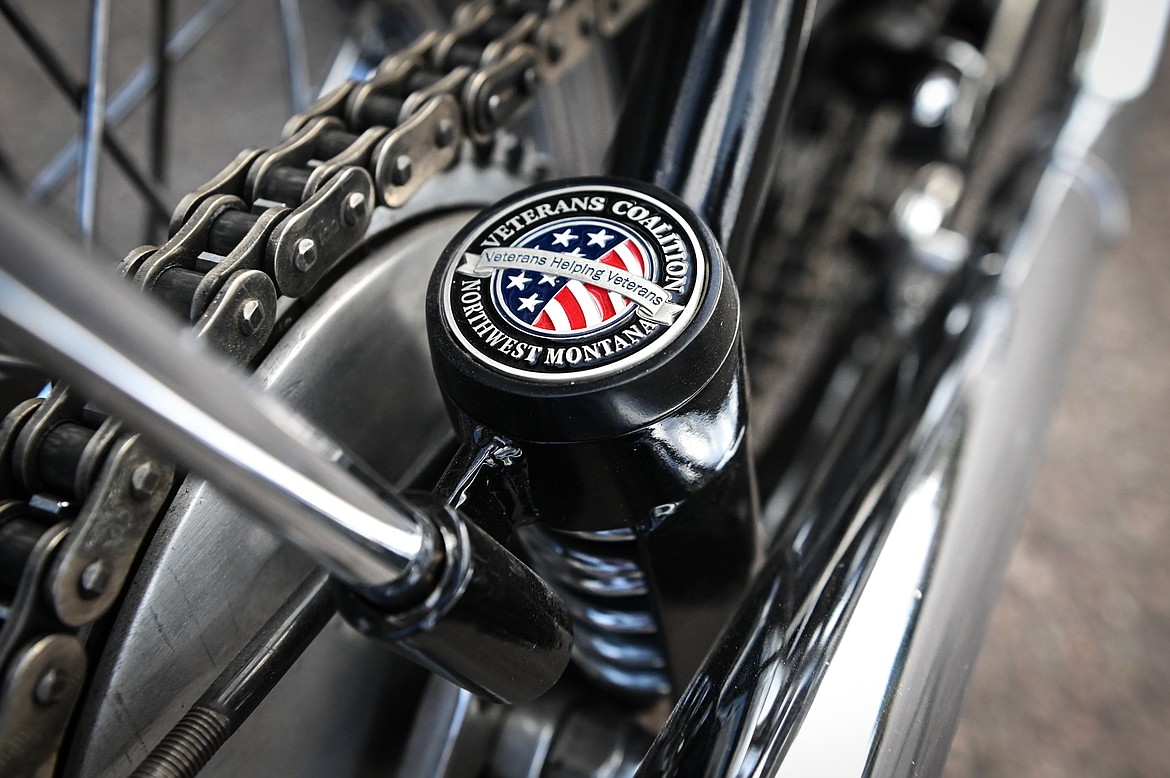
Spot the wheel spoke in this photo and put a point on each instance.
(55, 68)
(93, 119)
(128, 96)
(296, 54)
(160, 105)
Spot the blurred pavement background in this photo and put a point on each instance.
(1074, 677)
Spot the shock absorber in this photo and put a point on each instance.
(585, 334)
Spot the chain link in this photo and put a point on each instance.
(78, 495)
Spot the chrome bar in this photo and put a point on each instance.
(130, 357)
(93, 120)
(862, 672)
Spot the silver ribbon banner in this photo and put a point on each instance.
(647, 295)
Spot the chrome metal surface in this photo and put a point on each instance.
(878, 667)
(210, 580)
(121, 352)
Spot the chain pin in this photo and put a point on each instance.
(250, 316)
(403, 170)
(94, 580)
(144, 480)
(50, 687)
(306, 254)
(445, 133)
(353, 210)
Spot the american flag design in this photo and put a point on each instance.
(552, 305)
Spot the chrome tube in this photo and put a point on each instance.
(129, 356)
(853, 663)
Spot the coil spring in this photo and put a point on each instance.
(615, 632)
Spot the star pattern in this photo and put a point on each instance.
(519, 281)
(545, 278)
(563, 238)
(600, 238)
(529, 303)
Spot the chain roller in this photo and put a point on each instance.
(78, 495)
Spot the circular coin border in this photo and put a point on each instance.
(699, 257)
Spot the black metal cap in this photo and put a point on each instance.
(580, 309)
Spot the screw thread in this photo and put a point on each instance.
(188, 747)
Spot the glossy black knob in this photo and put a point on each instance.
(580, 309)
(585, 334)
(489, 624)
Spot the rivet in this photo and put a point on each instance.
(50, 687)
(445, 133)
(353, 210)
(403, 170)
(306, 254)
(144, 480)
(251, 313)
(94, 580)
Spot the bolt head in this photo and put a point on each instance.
(144, 480)
(353, 210)
(50, 687)
(305, 255)
(94, 580)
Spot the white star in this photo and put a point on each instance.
(529, 303)
(577, 252)
(563, 238)
(520, 281)
(600, 238)
(545, 278)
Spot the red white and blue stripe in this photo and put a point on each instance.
(553, 305)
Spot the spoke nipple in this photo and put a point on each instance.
(144, 480)
(305, 255)
(445, 133)
(94, 580)
(403, 169)
(353, 210)
(531, 78)
(251, 314)
(50, 686)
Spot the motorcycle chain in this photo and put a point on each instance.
(78, 495)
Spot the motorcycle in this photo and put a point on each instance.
(729, 498)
